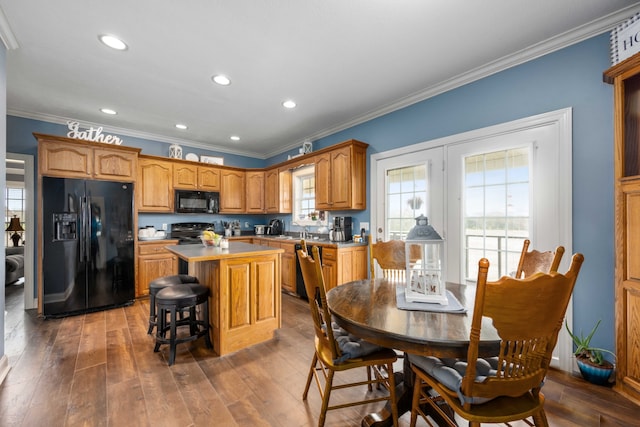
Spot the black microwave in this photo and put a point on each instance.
(188, 201)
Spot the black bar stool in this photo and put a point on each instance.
(157, 285)
(174, 299)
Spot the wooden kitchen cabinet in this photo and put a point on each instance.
(74, 158)
(185, 176)
(625, 77)
(341, 177)
(288, 263)
(277, 190)
(154, 261)
(352, 263)
(254, 197)
(232, 191)
(330, 267)
(194, 177)
(155, 185)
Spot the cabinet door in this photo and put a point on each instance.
(115, 165)
(271, 191)
(254, 198)
(208, 178)
(360, 263)
(232, 191)
(155, 186)
(185, 176)
(65, 160)
(150, 267)
(345, 266)
(340, 179)
(329, 267)
(289, 269)
(323, 181)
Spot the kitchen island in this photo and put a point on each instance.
(244, 280)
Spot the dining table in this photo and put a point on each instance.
(369, 309)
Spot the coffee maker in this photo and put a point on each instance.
(342, 229)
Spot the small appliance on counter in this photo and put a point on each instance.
(342, 229)
(274, 228)
(259, 229)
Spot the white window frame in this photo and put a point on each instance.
(560, 121)
(296, 177)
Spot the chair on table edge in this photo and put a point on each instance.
(330, 358)
(536, 261)
(527, 314)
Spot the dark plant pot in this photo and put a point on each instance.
(595, 374)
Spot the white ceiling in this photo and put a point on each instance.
(343, 62)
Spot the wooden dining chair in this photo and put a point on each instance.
(338, 351)
(527, 314)
(390, 258)
(535, 261)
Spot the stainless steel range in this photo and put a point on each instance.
(189, 232)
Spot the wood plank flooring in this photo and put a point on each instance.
(99, 369)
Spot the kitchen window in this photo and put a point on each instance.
(304, 199)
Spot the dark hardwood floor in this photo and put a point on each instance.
(99, 369)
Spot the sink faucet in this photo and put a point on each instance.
(304, 233)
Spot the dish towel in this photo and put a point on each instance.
(453, 306)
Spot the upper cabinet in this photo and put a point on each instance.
(341, 177)
(155, 185)
(277, 190)
(254, 198)
(232, 191)
(189, 176)
(74, 158)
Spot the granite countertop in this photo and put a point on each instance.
(199, 252)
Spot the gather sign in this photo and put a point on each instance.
(91, 134)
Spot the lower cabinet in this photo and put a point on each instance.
(154, 261)
(330, 267)
(288, 267)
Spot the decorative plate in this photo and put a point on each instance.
(192, 157)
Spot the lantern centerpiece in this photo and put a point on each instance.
(424, 251)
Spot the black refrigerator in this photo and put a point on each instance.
(88, 242)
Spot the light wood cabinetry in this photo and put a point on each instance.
(155, 185)
(277, 190)
(288, 261)
(189, 176)
(625, 78)
(232, 191)
(352, 264)
(73, 158)
(330, 267)
(341, 177)
(154, 261)
(255, 191)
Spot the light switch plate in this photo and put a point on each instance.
(364, 225)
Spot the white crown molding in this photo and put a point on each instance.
(6, 33)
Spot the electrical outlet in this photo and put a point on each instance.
(246, 224)
(164, 226)
(364, 225)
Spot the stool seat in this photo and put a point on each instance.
(175, 299)
(157, 285)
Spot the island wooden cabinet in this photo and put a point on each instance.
(74, 158)
(341, 177)
(154, 261)
(254, 197)
(155, 185)
(232, 191)
(625, 77)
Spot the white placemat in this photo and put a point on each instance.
(453, 306)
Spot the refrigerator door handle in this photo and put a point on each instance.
(83, 230)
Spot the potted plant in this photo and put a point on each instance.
(591, 362)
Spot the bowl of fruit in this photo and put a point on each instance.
(210, 238)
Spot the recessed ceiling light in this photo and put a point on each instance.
(235, 138)
(289, 104)
(108, 111)
(221, 80)
(113, 42)
(181, 126)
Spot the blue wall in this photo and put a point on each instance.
(571, 77)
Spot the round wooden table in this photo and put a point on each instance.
(367, 309)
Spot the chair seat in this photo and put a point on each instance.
(157, 285)
(182, 296)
